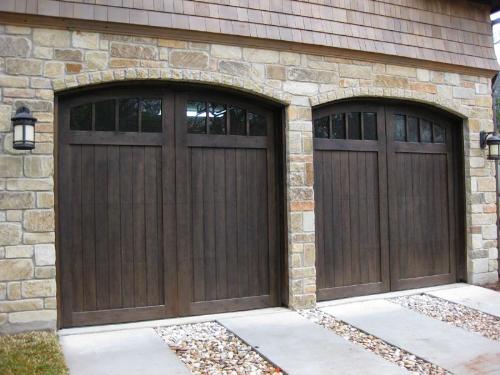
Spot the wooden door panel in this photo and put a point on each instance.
(351, 213)
(228, 252)
(155, 221)
(386, 213)
(117, 241)
(422, 192)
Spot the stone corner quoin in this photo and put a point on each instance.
(36, 63)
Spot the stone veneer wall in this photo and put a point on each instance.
(35, 63)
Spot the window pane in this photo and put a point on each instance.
(354, 125)
(237, 121)
(257, 124)
(370, 126)
(81, 117)
(129, 115)
(439, 134)
(412, 123)
(151, 115)
(399, 128)
(338, 126)
(425, 131)
(196, 114)
(217, 119)
(105, 115)
(322, 127)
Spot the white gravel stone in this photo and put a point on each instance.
(459, 315)
(209, 348)
(402, 358)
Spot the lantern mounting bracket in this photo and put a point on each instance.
(483, 138)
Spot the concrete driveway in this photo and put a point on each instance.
(298, 344)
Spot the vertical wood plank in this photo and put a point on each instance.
(114, 233)
(127, 225)
(220, 222)
(197, 233)
(88, 225)
(101, 226)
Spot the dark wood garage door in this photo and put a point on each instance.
(167, 205)
(387, 196)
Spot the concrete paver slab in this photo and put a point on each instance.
(299, 346)
(482, 299)
(135, 351)
(452, 348)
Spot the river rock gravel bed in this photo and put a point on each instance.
(454, 313)
(209, 348)
(389, 352)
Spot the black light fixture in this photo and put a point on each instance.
(492, 140)
(24, 129)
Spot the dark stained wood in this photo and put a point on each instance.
(368, 192)
(350, 245)
(166, 224)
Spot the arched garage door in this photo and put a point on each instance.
(387, 198)
(167, 205)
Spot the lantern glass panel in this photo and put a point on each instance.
(29, 133)
(18, 133)
(494, 151)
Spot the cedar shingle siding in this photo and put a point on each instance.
(454, 31)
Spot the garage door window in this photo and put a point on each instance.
(350, 125)
(134, 115)
(239, 121)
(414, 129)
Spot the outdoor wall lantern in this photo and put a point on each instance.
(492, 140)
(24, 129)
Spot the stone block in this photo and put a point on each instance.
(51, 37)
(32, 316)
(72, 68)
(13, 81)
(289, 58)
(38, 288)
(39, 220)
(14, 290)
(53, 69)
(14, 215)
(275, 72)
(260, 56)
(21, 30)
(45, 255)
(20, 251)
(463, 93)
(391, 81)
(45, 200)
(36, 238)
(47, 272)
(133, 51)
(43, 52)
(172, 43)
(300, 88)
(29, 184)
(423, 75)
(312, 75)
(14, 46)
(226, 52)
(16, 269)
(188, 59)
(11, 166)
(21, 305)
(355, 71)
(10, 233)
(308, 221)
(403, 71)
(235, 68)
(486, 184)
(16, 200)
(25, 67)
(38, 166)
(68, 54)
(85, 40)
(50, 303)
(96, 60)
